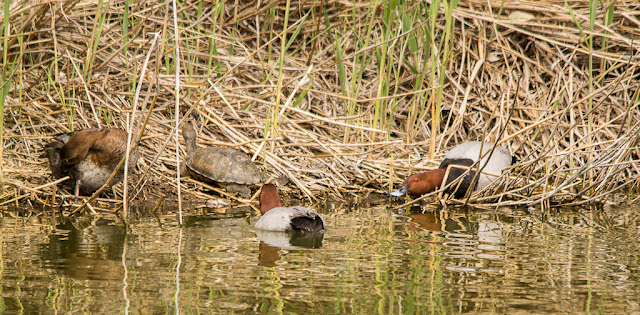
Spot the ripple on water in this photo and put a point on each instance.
(370, 259)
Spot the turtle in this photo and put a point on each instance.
(223, 165)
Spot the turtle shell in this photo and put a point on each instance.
(225, 165)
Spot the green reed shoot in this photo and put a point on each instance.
(610, 5)
(382, 54)
(101, 14)
(283, 45)
(360, 62)
(125, 26)
(5, 64)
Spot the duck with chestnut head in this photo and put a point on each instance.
(465, 154)
(277, 218)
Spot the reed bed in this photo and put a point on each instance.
(340, 98)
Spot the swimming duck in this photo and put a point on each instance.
(89, 157)
(464, 154)
(275, 217)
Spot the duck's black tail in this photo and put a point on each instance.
(308, 224)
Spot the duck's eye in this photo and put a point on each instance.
(416, 180)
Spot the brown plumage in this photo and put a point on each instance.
(269, 198)
(422, 183)
(89, 157)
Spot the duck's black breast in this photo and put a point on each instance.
(455, 173)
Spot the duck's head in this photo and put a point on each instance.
(420, 184)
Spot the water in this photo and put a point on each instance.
(372, 259)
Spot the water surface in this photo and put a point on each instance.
(372, 259)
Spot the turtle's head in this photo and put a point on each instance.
(189, 136)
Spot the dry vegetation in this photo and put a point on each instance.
(341, 97)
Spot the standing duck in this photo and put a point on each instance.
(277, 218)
(89, 157)
(464, 154)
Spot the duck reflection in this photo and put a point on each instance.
(268, 255)
(86, 250)
(291, 240)
(433, 221)
(425, 221)
(271, 242)
(463, 236)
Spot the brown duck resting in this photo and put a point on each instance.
(89, 157)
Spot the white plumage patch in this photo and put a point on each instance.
(279, 219)
(500, 159)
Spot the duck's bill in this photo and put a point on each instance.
(400, 192)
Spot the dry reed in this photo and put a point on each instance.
(355, 97)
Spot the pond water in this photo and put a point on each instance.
(372, 259)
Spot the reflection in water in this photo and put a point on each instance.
(370, 260)
(426, 221)
(271, 242)
(291, 240)
(268, 255)
(464, 239)
(85, 249)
